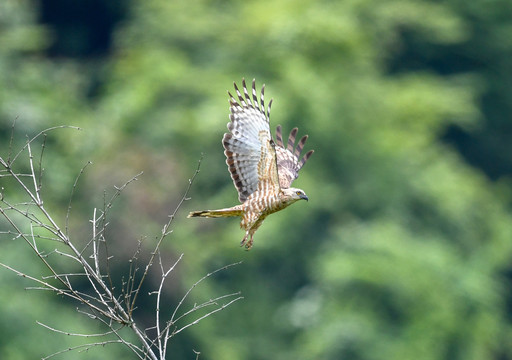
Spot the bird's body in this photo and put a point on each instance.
(262, 170)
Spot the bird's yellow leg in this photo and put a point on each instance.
(242, 243)
(248, 246)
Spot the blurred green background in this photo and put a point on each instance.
(404, 250)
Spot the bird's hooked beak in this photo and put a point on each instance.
(304, 197)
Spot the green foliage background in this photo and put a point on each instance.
(404, 249)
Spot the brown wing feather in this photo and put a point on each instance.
(288, 163)
(249, 149)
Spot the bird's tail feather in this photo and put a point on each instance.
(227, 212)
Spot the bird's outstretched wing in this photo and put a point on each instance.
(249, 148)
(288, 158)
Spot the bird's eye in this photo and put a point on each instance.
(299, 193)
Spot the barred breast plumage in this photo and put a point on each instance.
(262, 170)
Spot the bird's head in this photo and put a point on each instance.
(292, 195)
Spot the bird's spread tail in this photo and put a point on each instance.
(227, 212)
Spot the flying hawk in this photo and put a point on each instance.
(262, 169)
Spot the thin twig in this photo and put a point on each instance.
(40, 177)
(165, 231)
(158, 297)
(84, 346)
(73, 334)
(205, 304)
(11, 140)
(71, 196)
(206, 315)
(196, 283)
(31, 162)
(197, 354)
(39, 134)
(102, 302)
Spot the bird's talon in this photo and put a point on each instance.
(270, 191)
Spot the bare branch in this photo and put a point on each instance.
(197, 354)
(100, 301)
(84, 347)
(165, 231)
(33, 175)
(74, 334)
(71, 196)
(37, 136)
(11, 140)
(40, 177)
(173, 320)
(205, 304)
(161, 345)
(206, 315)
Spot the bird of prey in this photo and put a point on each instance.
(262, 169)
